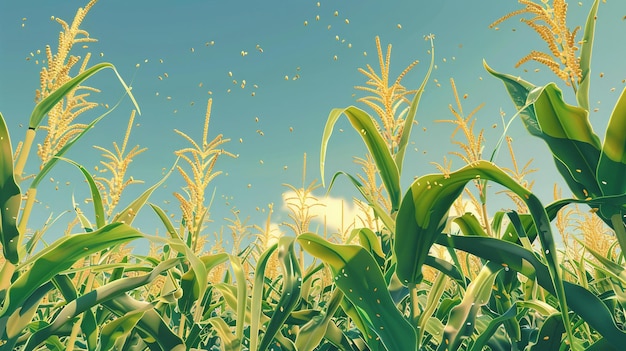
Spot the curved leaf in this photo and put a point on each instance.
(292, 283)
(60, 256)
(362, 123)
(358, 276)
(612, 164)
(408, 121)
(45, 105)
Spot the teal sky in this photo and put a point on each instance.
(200, 42)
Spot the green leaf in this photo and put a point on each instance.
(364, 125)
(358, 276)
(582, 95)
(151, 326)
(423, 213)
(612, 164)
(312, 333)
(290, 294)
(117, 329)
(45, 105)
(378, 210)
(565, 128)
(492, 328)
(98, 296)
(408, 121)
(95, 193)
(60, 256)
(229, 341)
(10, 198)
(580, 300)
(462, 319)
(549, 337)
(128, 214)
(257, 296)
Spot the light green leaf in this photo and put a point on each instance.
(408, 121)
(582, 94)
(462, 319)
(358, 276)
(45, 105)
(364, 125)
(612, 164)
(118, 329)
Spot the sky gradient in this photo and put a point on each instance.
(296, 69)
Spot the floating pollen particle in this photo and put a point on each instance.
(399, 26)
(364, 53)
(329, 26)
(160, 60)
(317, 18)
(102, 54)
(347, 21)
(193, 50)
(284, 168)
(306, 23)
(249, 185)
(291, 129)
(336, 13)
(349, 45)
(286, 77)
(261, 161)
(337, 37)
(464, 96)
(200, 85)
(335, 57)
(318, 4)
(230, 74)
(166, 75)
(256, 119)
(244, 53)
(240, 140)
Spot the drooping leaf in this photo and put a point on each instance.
(119, 328)
(95, 193)
(565, 129)
(45, 105)
(363, 124)
(60, 256)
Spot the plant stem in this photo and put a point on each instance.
(30, 200)
(5, 275)
(21, 160)
(415, 306)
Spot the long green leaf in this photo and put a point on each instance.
(364, 125)
(580, 300)
(462, 319)
(96, 297)
(45, 105)
(565, 128)
(118, 329)
(257, 296)
(612, 164)
(10, 198)
(60, 256)
(290, 295)
(151, 327)
(378, 210)
(408, 121)
(582, 94)
(358, 276)
(95, 193)
(128, 214)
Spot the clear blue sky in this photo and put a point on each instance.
(131, 32)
